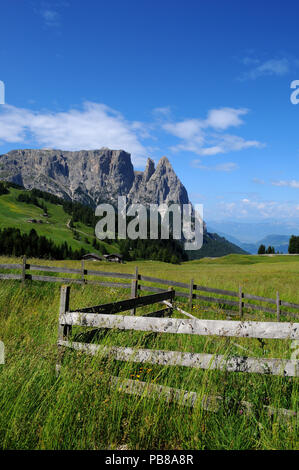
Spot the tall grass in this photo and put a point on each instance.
(80, 410)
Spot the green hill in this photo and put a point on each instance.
(215, 246)
(17, 214)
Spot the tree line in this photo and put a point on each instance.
(169, 251)
(266, 251)
(293, 247)
(15, 243)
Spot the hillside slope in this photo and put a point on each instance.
(215, 246)
(16, 214)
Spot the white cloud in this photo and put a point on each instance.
(190, 128)
(223, 118)
(206, 136)
(258, 181)
(256, 209)
(226, 167)
(164, 111)
(290, 184)
(274, 67)
(249, 61)
(51, 13)
(95, 126)
(51, 17)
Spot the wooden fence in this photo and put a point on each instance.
(107, 316)
(235, 303)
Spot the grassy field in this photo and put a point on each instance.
(79, 410)
(16, 214)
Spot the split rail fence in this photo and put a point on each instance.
(107, 316)
(235, 303)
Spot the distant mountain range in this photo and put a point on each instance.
(279, 242)
(254, 231)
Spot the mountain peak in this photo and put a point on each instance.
(149, 169)
(164, 162)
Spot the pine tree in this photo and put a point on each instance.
(262, 250)
(293, 245)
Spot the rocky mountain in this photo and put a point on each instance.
(93, 176)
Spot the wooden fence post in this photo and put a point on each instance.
(191, 293)
(241, 303)
(134, 289)
(172, 300)
(64, 331)
(277, 306)
(24, 270)
(82, 271)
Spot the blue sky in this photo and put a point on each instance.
(206, 83)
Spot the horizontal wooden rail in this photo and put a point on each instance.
(256, 365)
(54, 269)
(150, 288)
(288, 304)
(10, 276)
(216, 291)
(259, 307)
(123, 305)
(163, 281)
(289, 314)
(192, 399)
(89, 272)
(261, 299)
(121, 285)
(217, 300)
(11, 266)
(52, 279)
(246, 329)
(186, 398)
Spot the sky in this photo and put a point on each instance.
(206, 83)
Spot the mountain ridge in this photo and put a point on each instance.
(93, 176)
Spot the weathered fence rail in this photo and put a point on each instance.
(241, 302)
(194, 360)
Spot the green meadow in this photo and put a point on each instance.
(80, 410)
(15, 214)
